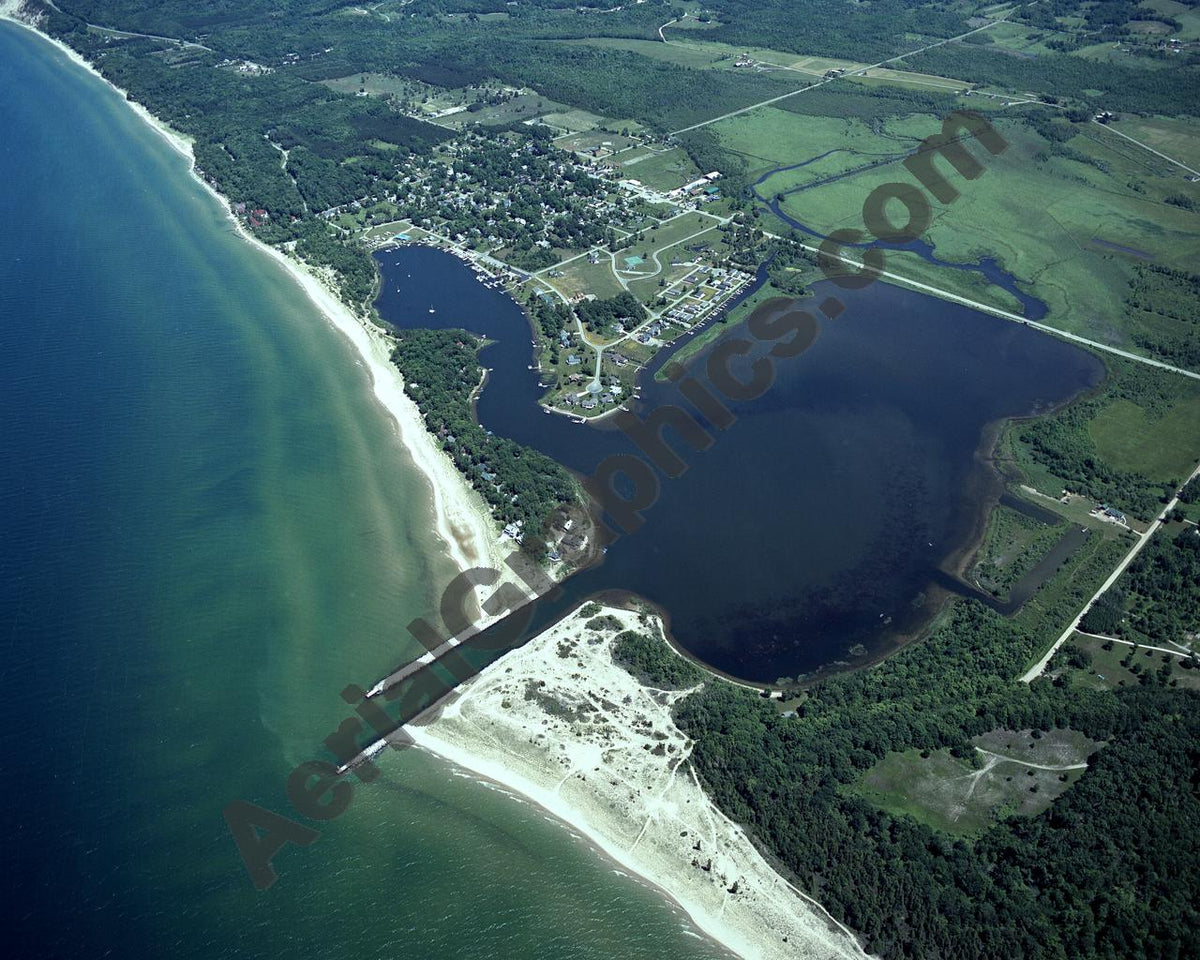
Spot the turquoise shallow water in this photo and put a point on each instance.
(206, 531)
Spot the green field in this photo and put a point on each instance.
(659, 245)
(1189, 17)
(1163, 448)
(1179, 139)
(1020, 38)
(1085, 447)
(524, 106)
(771, 137)
(660, 170)
(580, 277)
(680, 54)
(574, 121)
(605, 143)
(1040, 216)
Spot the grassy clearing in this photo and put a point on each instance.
(671, 232)
(1061, 450)
(1162, 448)
(376, 85)
(698, 56)
(966, 796)
(1059, 747)
(575, 121)
(1020, 39)
(581, 277)
(771, 137)
(1176, 138)
(524, 106)
(660, 170)
(1109, 669)
(1189, 17)
(597, 142)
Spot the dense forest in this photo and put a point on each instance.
(1157, 599)
(441, 372)
(1167, 302)
(653, 662)
(1108, 871)
(1172, 88)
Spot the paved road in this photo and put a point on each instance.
(1036, 670)
(853, 73)
(1016, 317)
(1145, 146)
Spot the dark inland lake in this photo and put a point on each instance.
(822, 526)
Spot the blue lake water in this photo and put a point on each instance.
(823, 520)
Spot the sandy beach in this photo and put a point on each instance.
(463, 520)
(611, 764)
(562, 724)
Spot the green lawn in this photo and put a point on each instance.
(583, 277)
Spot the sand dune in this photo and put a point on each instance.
(559, 722)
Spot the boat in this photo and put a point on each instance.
(431, 310)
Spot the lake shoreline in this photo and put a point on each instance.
(523, 723)
(461, 518)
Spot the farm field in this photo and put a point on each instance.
(1179, 139)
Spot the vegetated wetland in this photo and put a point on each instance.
(847, 494)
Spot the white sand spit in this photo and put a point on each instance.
(559, 722)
